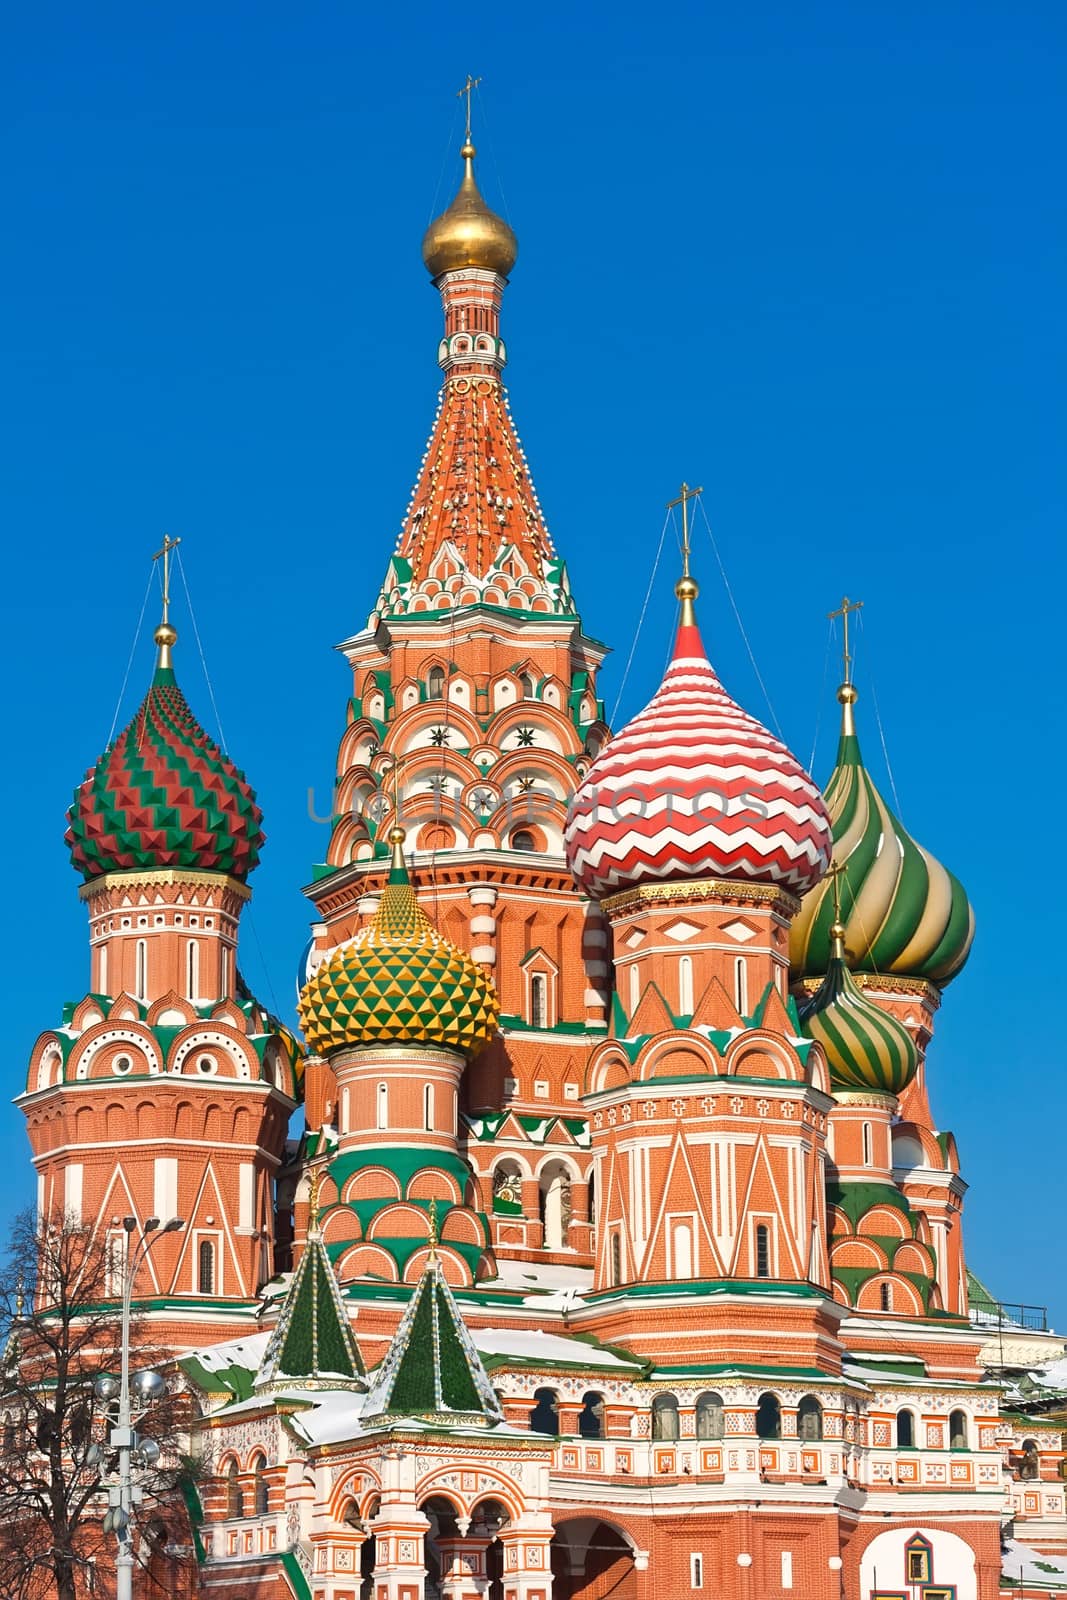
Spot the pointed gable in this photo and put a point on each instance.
(432, 1371)
(312, 1343)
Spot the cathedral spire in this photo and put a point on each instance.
(474, 532)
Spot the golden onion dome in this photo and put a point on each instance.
(399, 982)
(468, 234)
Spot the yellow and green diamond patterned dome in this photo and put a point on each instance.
(399, 982)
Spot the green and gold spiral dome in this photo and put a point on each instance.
(866, 1048)
(904, 913)
(399, 982)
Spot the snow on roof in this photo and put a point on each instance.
(1054, 1376)
(246, 1353)
(1021, 1564)
(523, 1275)
(536, 1345)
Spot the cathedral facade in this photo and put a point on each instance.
(621, 1254)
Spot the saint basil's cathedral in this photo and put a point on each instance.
(621, 1254)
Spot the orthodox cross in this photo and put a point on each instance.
(683, 500)
(314, 1185)
(433, 1232)
(846, 608)
(468, 89)
(169, 544)
(833, 872)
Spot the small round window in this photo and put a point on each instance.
(122, 1065)
(206, 1066)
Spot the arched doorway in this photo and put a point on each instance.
(487, 1519)
(592, 1560)
(554, 1201)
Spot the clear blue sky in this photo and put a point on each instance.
(809, 256)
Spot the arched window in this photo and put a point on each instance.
(383, 1105)
(523, 839)
(905, 1430)
(235, 1500)
(591, 1416)
(885, 1296)
(709, 1416)
(538, 1001)
(809, 1418)
(682, 1249)
(260, 1487)
(685, 986)
(868, 1145)
(192, 969)
(435, 683)
(141, 982)
(1030, 1466)
(345, 1102)
(507, 1187)
(741, 985)
(101, 968)
(635, 987)
(763, 1250)
(554, 1205)
(665, 1417)
(427, 1107)
(616, 1258)
(544, 1418)
(957, 1430)
(768, 1417)
(206, 1267)
(526, 684)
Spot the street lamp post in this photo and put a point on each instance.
(150, 1386)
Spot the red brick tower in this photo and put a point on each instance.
(167, 1090)
(474, 715)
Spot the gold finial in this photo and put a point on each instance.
(467, 233)
(314, 1186)
(20, 1295)
(431, 1259)
(165, 636)
(837, 927)
(847, 692)
(397, 832)
(468, 89)
(686, 588)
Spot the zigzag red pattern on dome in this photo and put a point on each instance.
(695, 785)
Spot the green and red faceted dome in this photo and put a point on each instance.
(164, 795)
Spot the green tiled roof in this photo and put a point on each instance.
(312, 1339)
(432, 1370)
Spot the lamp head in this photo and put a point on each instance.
(148, 1387)
(148, 1452)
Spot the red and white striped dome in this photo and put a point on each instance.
(695, 787)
